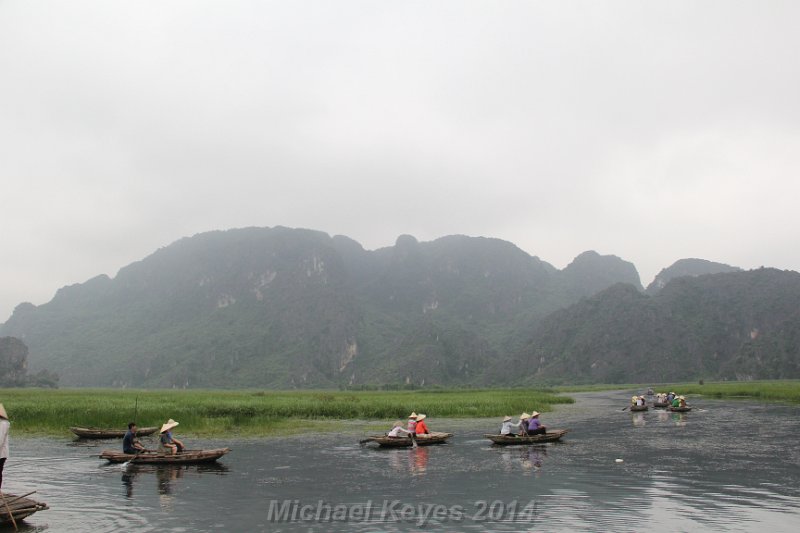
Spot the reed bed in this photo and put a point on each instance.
(215, 412)
(767, 391)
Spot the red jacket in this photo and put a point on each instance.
(422, 428)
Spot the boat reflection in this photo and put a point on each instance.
(413, 461)
(525, 460)
(679, 419)
(638, 419)
(166, 475)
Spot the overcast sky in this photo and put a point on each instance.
(649, 130)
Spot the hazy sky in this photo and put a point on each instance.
(649, 130)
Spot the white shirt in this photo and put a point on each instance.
(506, 428)
(5, 425)
(395, 432)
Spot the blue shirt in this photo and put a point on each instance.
(534, 424)
(127, 443)
(166, 437)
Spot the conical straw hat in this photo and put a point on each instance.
(169, 425)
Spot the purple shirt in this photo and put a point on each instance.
(534, 424)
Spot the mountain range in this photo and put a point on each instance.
(294, 308)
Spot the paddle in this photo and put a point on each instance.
(20, 497)
(128, 462)
(625, 408)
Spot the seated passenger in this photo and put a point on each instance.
(168, 443)
(420, 427)
(535, 427)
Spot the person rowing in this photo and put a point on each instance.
(508, 428)
(396, 431)
(523, 424)
(130, 444)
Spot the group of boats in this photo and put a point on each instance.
(386, 441)
(659, 404)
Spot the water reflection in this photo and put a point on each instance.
(638, 419)
(166, 476)
(522, 460)
(413, 461)
(679, 419)
(671, 479)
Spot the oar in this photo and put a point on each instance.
(364, 441)
(625, 408)
(126, 463)
(8, 510)
(20, 497)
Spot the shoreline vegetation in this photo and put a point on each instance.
(248, 413)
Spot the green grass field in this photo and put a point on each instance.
(252, 413)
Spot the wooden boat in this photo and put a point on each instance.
(21, 507)
(660, 405)
(552, 435)
(638, 408)
(100, 433)
(422, 440)
(680, 409)
(153, 457)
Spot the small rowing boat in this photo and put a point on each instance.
(552, 435)
(638, 408)
(680, 409)
(158, 458)
(101, 433)
(422, 440)
(21, 507)
(660, 405)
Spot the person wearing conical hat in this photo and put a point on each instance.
(535, 427)
(420, 427)
(508, 427)
(167, 442)
(397, 429)
(676, 401)
(523, 424)
(5, 426)
(412, 423)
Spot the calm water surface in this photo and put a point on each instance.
(731, 466)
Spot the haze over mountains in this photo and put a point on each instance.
(281, 308)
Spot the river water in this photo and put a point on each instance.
(732, 466)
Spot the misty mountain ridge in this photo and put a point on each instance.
(281, 308)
